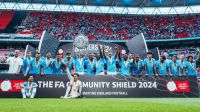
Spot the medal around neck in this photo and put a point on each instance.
(81, 41)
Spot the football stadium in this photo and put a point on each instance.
(100, 55)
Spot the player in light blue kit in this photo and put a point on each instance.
(29, 88)
(90, 65)
(79, 62)
(99, 62)
(174, 67)
(150, 65)
(182, 62)
(138, 66)
(190, 67)
(125, 64)
(57, 64)
(48, 64)
(162, 67)
(111, 61)
(26, 62)
(68, 63)
(36, 66)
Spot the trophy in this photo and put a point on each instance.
(81, 41)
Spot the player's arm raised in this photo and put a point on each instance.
(117, 52)
(74, 49)
(99, 47)
(198, 56)
(119, 55)
(103, 49)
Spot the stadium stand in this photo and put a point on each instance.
(100, 27)
(110, 27)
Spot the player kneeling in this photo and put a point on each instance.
(29, 88)
(74, 88)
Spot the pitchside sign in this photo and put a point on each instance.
(54, 86)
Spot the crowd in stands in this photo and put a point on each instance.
(110, 27)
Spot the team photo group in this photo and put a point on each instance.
(101, 63)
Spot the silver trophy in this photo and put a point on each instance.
(81, 41)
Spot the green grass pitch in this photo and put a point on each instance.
(101, 105)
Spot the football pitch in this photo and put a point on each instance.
(101, 105)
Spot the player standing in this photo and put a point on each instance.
(90, 65)
(162, 67)
(26, 62)
(48, 64)
(111, 61)
(174, 67)
(150, 65)
(99, 62)
(125, 64)
(36, 66)
(68, 63)
(57, 64)
(138, 66)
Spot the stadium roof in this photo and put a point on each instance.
(120, 3)
(149, 7)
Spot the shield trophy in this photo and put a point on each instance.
(81, 42)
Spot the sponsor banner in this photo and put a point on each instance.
(54, 86)
(92, 47)
(178, 86)
(11, 85)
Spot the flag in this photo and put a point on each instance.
(155, 53)
(48, 43)
(31, 49)
(137, 45)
